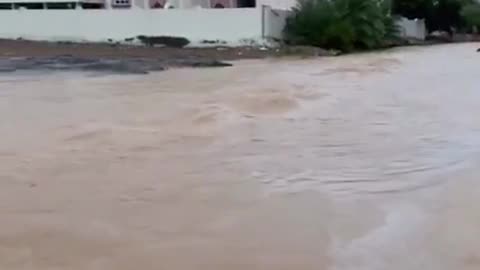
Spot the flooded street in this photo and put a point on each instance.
(361, 162)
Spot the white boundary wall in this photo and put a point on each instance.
(412, 28)
(237, 26)
(278, 4)
(274, 21)
(233, 26)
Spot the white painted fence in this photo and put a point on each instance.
(233, 26)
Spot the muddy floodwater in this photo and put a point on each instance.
(361, 162)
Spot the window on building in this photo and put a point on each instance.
(29, 5)
(157, 5)
(121, 3)
(61, 5)
(92, 5)
(246, 3)
(4, 6)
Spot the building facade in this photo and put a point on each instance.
(145, 4)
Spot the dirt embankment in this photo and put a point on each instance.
(28, 55)
(23, 48)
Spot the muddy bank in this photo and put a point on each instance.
(24, 48)
(18, 55)
(104, 65)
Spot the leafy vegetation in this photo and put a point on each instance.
(344, 25)
(471, 15)
(348, 25)
(443, 15)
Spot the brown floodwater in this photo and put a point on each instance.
(361, 162)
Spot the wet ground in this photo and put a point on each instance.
(361, 162)
(101, 65)
(25, 48)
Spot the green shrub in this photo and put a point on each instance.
(471, 14)
(444, 15)
(341, 24)
(413, 9)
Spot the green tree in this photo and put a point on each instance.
(446, 16)
(340, 24)
(413, 9)
(442, 15)
(471, 14)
